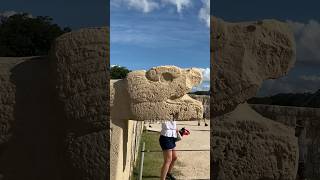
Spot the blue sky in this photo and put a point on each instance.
(303, 17)
(148, 33)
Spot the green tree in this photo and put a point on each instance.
(119, 72)
(22, 35)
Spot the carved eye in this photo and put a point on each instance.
(167, 77)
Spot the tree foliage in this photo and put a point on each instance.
(119, 72)
(22, 35)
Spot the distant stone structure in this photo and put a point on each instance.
(205, 99)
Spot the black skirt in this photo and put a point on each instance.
(167, 142)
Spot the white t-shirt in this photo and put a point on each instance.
(169, 129)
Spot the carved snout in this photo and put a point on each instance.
(184, 108)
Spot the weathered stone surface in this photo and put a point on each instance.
(155, 94)
(306, 122)
(79, 64)
(7, 97)
(30, 128)
(87, 154)
(245, 145)
(162, 91)
(54, 111)
(243, 55)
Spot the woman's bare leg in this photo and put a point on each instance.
(167, 158)
(173, 159)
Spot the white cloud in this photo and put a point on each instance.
(205, 84)
(307, 37)
(114, 65)
(147, 6)
(180, 4)
(205, 74)
(204, 13)
(143, 5)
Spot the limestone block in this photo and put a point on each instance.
(87, 153)
(7, 97)
(160, 92)
(243, 55)
(245, 145)
(79, 62)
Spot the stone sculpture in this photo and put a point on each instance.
(245, 54)
(244, 144)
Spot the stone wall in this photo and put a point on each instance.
(125, 134)
(306, 122)
(249, 146)
(124, 148)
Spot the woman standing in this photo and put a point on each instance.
(167, 141)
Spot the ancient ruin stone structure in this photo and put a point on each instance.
(162, 91)
(54, 111)
(244, 144)
(306, 123)
(156, 94)
(243, 55)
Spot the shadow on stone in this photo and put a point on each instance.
(33, 151)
